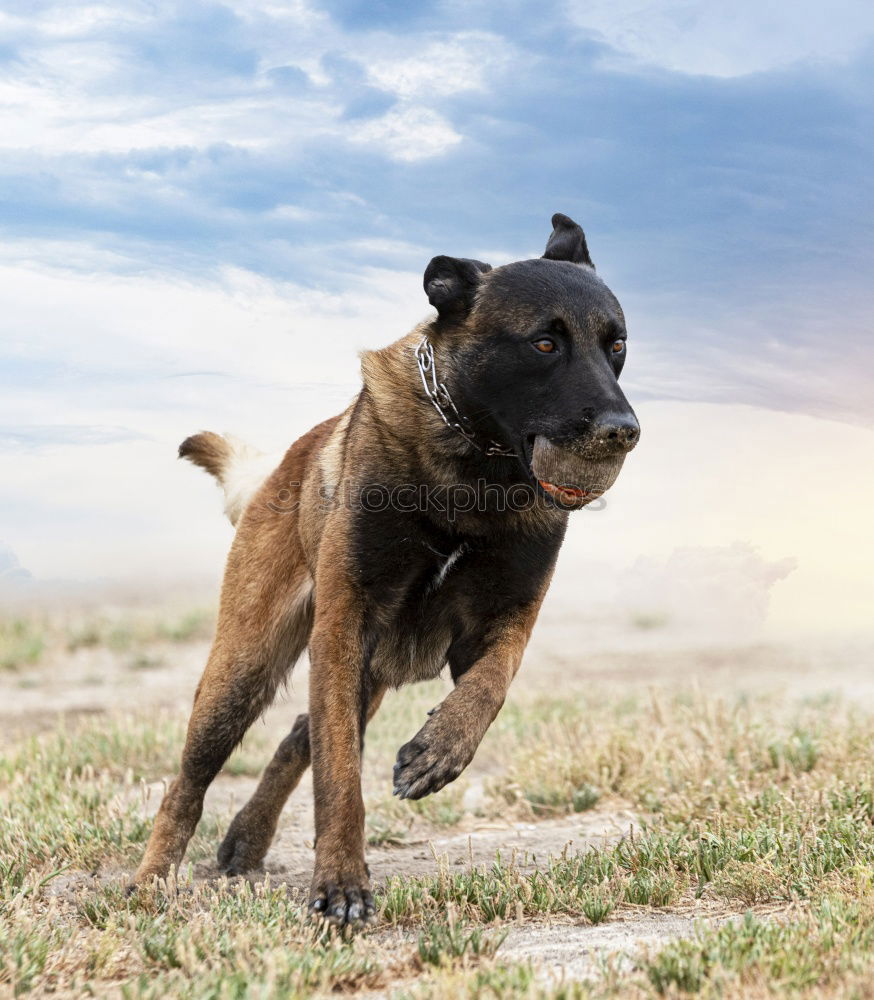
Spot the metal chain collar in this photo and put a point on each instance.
(443, 404)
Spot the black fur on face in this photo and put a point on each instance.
(536, 351)
(535, 359)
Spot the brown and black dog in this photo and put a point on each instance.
(419, 528)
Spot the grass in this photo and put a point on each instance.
(123, 632)
(683, 757)
(822, 949)
(448, 941)
(744, 803)
(72, 798)
(34, 639)
(754, 808)
(204, 942)
(485, 981)
(22, 643)
(71, 820)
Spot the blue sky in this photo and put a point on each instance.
(720, 161)
(207, 208)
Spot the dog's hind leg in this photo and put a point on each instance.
(259, 636)
(252, 830)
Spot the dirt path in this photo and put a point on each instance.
(527, 845)
(562, 949)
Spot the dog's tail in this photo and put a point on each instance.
(239, 468)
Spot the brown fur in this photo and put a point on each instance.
(208, 450)
(380, 602)
(289, 581)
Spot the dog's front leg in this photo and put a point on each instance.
(339, 698)
(445, 745)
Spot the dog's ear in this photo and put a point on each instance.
(568, 242)
(451, 283)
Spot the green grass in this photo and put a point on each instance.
(680, 757)
(31, 640)
(823, 951)
(22, 642)
(784, 858)
(742, 805)
(492, 980)
(204, 942)
(445, 942)
(72, 798)
(745, 803)
(130, 630)
(833, 940)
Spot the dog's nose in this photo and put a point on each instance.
(618, 430)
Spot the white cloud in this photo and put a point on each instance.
(467, 61)
(82, 85)
(71, 20)
(297, 11)
(292, 213)
(408, 134)
(63, 116)
(727, 39)
(239, 323)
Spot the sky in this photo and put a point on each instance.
(207, 210)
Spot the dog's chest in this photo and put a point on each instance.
(405, 655)
(433, 597)
(417, 627)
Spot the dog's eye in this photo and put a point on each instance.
(618, 346)
(544, 345)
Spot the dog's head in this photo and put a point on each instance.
(534, 351)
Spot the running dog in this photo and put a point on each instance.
(417, 529)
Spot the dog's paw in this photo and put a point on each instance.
(429, 761)
(152, 879)
(343, 902)
(245, 845)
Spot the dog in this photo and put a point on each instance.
(417, 529)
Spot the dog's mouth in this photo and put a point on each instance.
(569, 496)
(571, 479)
